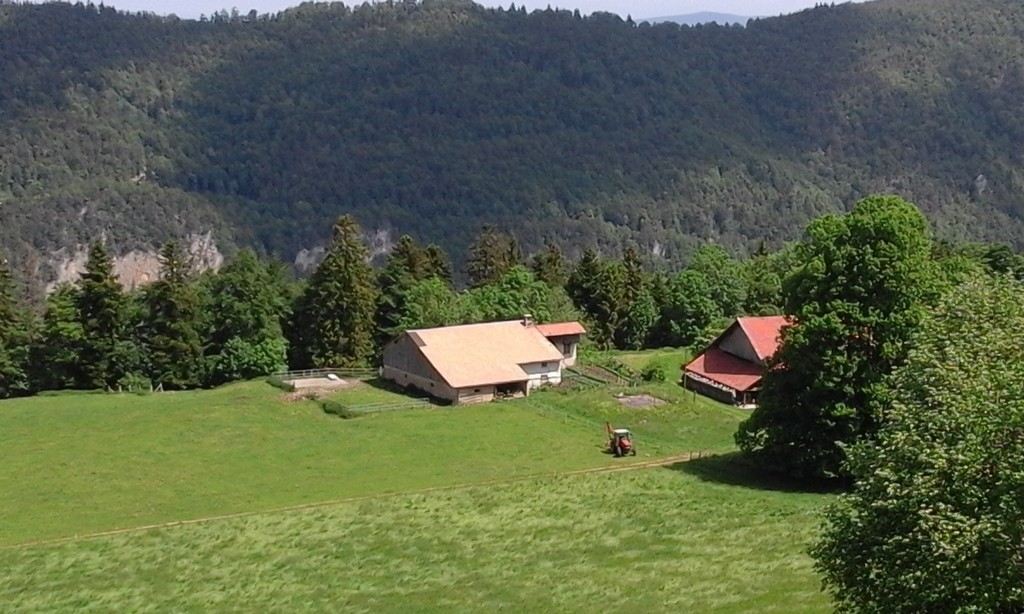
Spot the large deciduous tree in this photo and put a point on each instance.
(724, 277)
(855, 302)
(513, 295)
(334, 318)
(245, 308)
(936, 520)
(686, 310)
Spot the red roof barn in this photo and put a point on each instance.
(730, 369)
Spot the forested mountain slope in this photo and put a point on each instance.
(435, 117)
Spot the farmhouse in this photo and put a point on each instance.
(475, 363)
(565, 336)
(730, 369)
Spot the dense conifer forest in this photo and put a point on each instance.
(435, 117)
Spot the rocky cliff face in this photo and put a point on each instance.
(136, 267)
(379, 243)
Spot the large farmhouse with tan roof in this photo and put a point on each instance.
(475, 363)
(731, 367)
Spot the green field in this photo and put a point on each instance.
(504, 529)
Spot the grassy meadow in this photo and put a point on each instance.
(696, 536)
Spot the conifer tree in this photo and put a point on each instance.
(439, 262)
(549, 266)
(101, 312)
(407, 265)
(173, 323)
(583, 287)
(334, 319)
(15, 337)
(58, 353)
(639, 311)
(491, 255)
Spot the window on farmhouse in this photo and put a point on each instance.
(566, 349)
(543, 364)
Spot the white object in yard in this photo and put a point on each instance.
(332, 377)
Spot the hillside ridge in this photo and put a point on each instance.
(437, 117)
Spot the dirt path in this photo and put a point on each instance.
(629, 466)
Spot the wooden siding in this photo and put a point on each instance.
(736, 343)
(439, 390)
(469, 396)
(404, 355)
(406, 366)
(708, 389)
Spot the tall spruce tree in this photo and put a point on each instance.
(173, 322)
(491, 255)
(549, 266)
(334, 319)
(584, 288)
(15, 337)
(639, 310)
(59, 349)
(101, 312)
(439, 262)
(407, 265)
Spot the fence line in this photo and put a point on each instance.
(352, 411)
(314, 373)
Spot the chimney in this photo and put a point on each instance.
(527, 320)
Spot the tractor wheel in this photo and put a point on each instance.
(618, 452)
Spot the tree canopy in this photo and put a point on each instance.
(588, 131)
(854, 301)
(935, 522)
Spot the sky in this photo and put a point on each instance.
(638, 9)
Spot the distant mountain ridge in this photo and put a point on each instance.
(693, 19)
(432, 118)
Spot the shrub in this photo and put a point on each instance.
(335, 408)
(653, 373)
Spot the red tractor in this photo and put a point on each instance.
(620, 442)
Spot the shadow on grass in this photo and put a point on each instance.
(387, 385)
(735, 469)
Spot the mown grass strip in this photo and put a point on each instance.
(627, 466)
